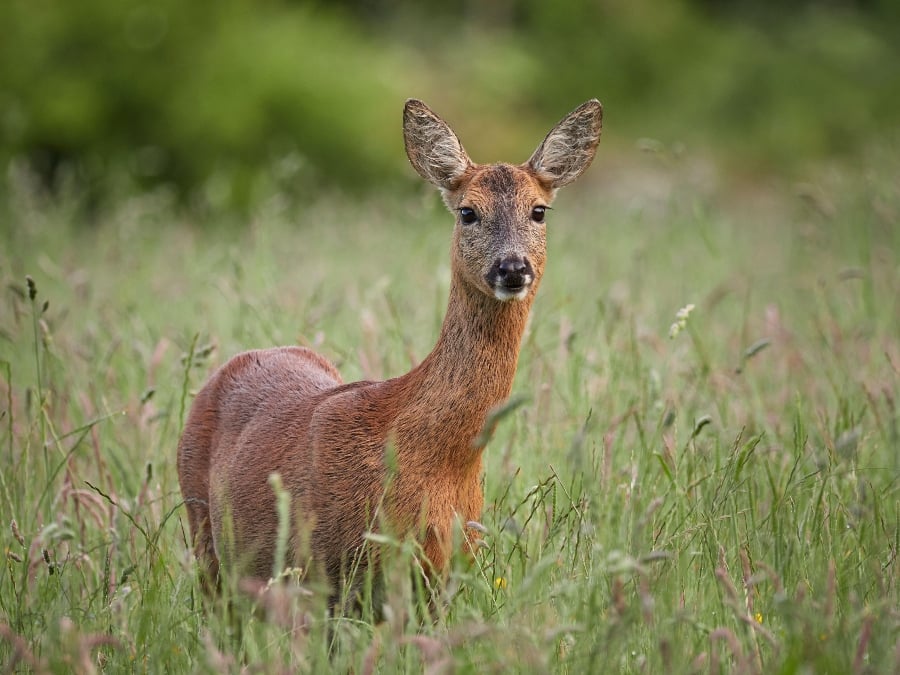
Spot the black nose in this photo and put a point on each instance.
(511, 274)
(512, 267)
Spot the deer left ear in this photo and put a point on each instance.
(433, 149)
(569, 147)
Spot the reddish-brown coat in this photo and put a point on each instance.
(286, 411)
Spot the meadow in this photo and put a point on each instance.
(701, 472)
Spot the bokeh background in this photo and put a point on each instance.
(186, 179)
(224, 102)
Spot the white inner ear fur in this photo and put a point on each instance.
(433, 149)
(569, 147)
(446, 159)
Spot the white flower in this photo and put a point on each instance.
(681, 317)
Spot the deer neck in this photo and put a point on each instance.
(469, 371)
(479, 340)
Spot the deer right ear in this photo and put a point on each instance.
(569, 147)
(433, 149)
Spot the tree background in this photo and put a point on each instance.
(224, 101)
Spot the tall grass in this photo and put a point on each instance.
(704, 491)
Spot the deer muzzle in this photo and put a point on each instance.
(510, 278)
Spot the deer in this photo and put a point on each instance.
(403, 453)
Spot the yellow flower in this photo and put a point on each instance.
(500, 582)
(759, 617)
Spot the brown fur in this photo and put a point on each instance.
(286, 411)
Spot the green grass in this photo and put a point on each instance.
(727, 499)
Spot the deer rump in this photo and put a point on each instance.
(402, 456)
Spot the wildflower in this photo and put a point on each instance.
(500, 582)
(681, 317)
(759, 617)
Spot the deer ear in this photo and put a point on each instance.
(433, 149)
(569, 147)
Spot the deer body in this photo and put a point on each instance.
(286, 411)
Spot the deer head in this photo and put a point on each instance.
(499, 241)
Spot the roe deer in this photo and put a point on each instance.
(286, 411)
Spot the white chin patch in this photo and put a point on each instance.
(503, 295)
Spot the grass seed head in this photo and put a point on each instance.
(32, 287)
(681, 319)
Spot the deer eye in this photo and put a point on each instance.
(538, 213)
(468, 216)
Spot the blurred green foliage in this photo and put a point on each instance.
(187, 91)
(209, 96)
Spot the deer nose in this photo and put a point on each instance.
(512, 267)
(510, 277)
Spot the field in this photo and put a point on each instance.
(703, 473)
